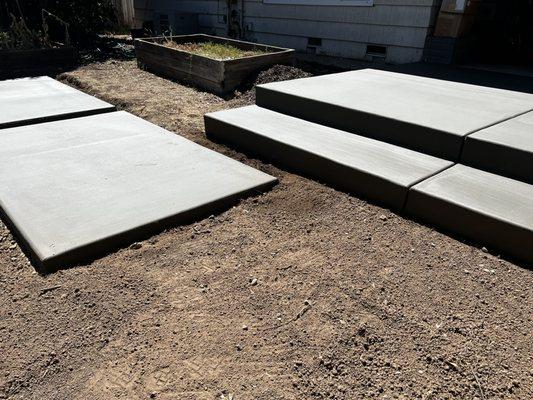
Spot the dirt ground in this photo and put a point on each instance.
(303, 292)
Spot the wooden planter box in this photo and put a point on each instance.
(213, 75)
(19, 63)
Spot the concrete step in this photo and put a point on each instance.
(490, 209)
(33, 100)
(73, 189)
(505, 148)
(423, 114)
(380, 171)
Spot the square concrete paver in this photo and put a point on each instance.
(490, 209)
(377, 170)
(72, 189)
(505, 148)
(33, 100)
(424, 114)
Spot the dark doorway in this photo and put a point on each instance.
(504, 32)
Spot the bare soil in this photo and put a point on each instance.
(303, 292)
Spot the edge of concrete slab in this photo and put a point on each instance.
(91, 251)
(58, 117)
(415, 137)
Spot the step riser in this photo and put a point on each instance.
(324, 170)
(502, 160)
(487, 231)
(505, 148)
(492, 210)
(415, 137)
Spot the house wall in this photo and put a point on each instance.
(345, 31)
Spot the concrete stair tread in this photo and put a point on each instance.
(32, 100)
(505, 148)
(486, 207)
(424, 114)
(310, 147)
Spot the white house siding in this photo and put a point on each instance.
(212, 13)
(400, 25)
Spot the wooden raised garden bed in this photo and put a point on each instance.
(19, 63)
(216, 75)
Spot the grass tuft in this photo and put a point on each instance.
(217, 51)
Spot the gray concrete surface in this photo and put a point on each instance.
(32, 100)
(505, 148)
(492, 210)
(75, 188)
(378, 170)
(424, 114)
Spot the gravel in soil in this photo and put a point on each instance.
(303, 292)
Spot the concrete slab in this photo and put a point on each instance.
(505, 148)
(33, 100)
(380, 171)
(75, 188)
(423, 114)
(488, 208)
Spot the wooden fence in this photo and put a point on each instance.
(125, 12)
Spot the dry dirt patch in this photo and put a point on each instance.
(301, 293)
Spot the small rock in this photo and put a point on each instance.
(383, 217)
(136, 246)
(245, 327)
(451, 365)
(253, 281)
(484, 250)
